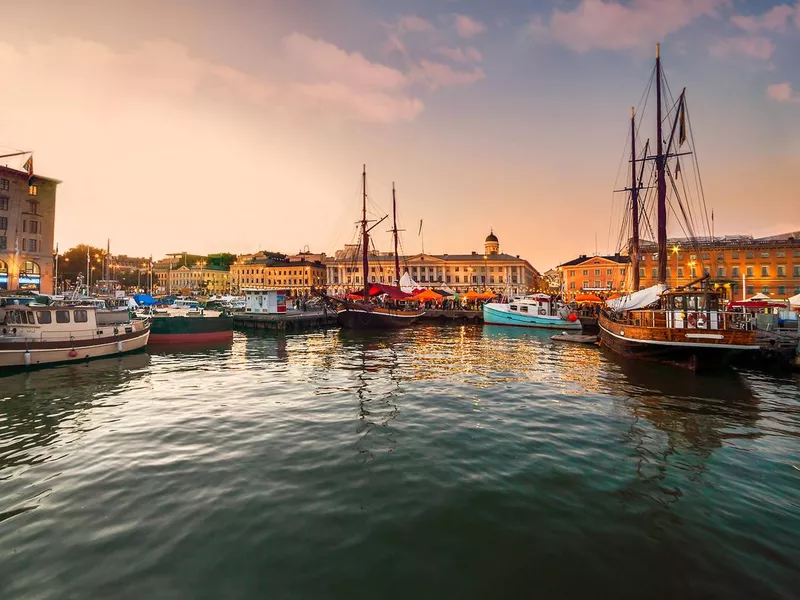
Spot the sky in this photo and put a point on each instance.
(208, 126)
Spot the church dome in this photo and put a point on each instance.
(491, 237)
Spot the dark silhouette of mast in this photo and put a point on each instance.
(634, 205)
(365, 235)
(394, 233)
(661, 179)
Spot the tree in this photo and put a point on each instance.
(73, 262)
(274, 255)
(221, 259)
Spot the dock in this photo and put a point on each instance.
(288, 321)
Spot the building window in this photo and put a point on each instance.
(797, 270)
(597, 271)
(680, 271)
(692, 272)
(764, 271)
(585, 272)
(749, 270)
(572, 285)
(30, 245)
(3, 222)
(735, 254)
(706, 256)
(641, 272)
(3, 203)
(3, 242)
(4, 184)
(474, 279)
(33, 207)
(796, 253)
(572, 273)
(750, 290)
(655, 272)
(720, 271)
(781, 270)
(780, 254)
(765, 255)
(781, 290)
(585, 284)
(609, 271)
(597, 283)
(33, 190)
(734, 271)
(765, 289)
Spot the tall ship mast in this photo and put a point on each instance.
(377, 306)
(686, 325)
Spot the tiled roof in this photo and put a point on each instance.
(617, 258)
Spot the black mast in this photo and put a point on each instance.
(365, 235)
(394, 233)
(634, 205)
(661, 179)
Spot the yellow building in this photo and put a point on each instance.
(460, 272)
(201, 278)
(742, 264)
(594, 274)
(258, 271)
(27, 224)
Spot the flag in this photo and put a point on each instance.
(682, 127)
(677, 167)
(28, 166)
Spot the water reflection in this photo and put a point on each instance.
(34, 405)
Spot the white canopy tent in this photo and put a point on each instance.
(637, 300)
(407, 284)
(759, 296)
(794, 301)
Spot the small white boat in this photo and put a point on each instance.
(538, 310)
(575, 338)
(41, 335)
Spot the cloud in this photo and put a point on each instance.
(467, 27)
(775, 19)
(373, 107)
(468, 54)
(756, 47)
(612, 25)
(783, 92)
(413, 23)
(436, 74)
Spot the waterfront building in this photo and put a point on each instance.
(200, 277)
(743, 265)
(261, 271)
(490, 270)
(594, 274)
(27, 224)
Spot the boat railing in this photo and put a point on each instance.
(714, 319)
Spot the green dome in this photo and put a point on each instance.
(491, 238)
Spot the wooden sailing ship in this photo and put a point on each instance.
(365, 314)
(686, 326)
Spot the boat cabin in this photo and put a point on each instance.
(537, 304)
(50, 322)
(698, 309)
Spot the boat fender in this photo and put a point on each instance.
(542, 311)
(573, 317)
(27, 356)
(73, 353)
(691, 319)
(119, 346)
(701, 322)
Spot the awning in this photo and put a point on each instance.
(428, 295)
(638, 299)
(144, 299)
(587, 298)
(756, 304)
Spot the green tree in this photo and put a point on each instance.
(221, 259)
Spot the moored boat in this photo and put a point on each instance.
(537, 310)
(176, 326)
(43, 335)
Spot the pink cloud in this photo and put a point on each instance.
(783, 92)
(468, 54)
(467, 27)
(756, 47)
(436, 74)
(775, 19)
(371, 106)
(612, 25)
(413, 23)
(318, 59)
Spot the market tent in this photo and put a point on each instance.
(794, 301)
(472, 295)
(487, 295)
(443, 292)
(759, 296)
(587, 298)
(144, 299)
(428, 295)
(407, 284)
(613, 296)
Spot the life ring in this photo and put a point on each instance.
(542, 311)
(701, 322)
(691, 319)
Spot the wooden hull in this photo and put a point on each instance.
(695, 349)
(31, 354)
(376, 317)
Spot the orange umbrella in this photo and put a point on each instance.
(428, 295)
(471, 295)
(587, 298)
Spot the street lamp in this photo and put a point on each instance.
(675, 251)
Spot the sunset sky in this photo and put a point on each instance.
(209, 126)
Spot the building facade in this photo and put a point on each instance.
(491, 270)
(200, 278)
(594, 274)
(297, 276)
(27, 227)
(743, 265)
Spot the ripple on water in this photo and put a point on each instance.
(430, 462)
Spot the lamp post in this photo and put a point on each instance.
(55, 270)
(675, 251)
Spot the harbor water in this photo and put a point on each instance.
(431, 462)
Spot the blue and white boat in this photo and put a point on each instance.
(538, 310)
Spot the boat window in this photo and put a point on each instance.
(31, 320)
(81, 316)
(45, 317)
(678, 302)
(523, 308)
(62, 316)
(14, 317)
(513, 307)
